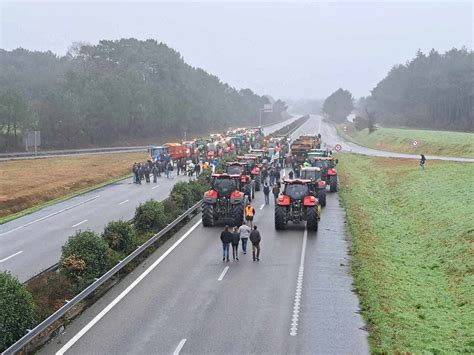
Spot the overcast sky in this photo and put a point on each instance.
(285, 49)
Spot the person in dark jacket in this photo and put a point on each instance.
(235, 243)
(226, 239)
(275, 191)
(154, 171)
(255, 238)
(146, 171)
(266, 192)
(422, 161)
(291, 174)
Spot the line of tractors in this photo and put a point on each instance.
(301, 197)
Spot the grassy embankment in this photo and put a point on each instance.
(412, 251)
(27, 185)
(456, 144)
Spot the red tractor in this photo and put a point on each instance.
(255, 168)
(224, 200)
(246, 183)
(318, 187)
(328, 171)
(297, 204)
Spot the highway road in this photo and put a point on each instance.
(331, 138)
(184, 299)
(31, 244)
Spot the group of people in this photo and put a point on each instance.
(144, 171)
(235, 235)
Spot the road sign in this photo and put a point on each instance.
(268, 108)
(338, 147)
(415, 143)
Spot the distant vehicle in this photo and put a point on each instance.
(318, 187)
(158, 152)
(177, 150)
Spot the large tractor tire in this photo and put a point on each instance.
(280, 218)
(312, 219)
(322, 198)
(333, 183)
(208, 215)
(238, 214)
(247, 190)
(258, 182)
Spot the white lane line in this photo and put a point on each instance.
(121, 203)
(49, 215)
(124, 292)
(223, 274)
(154, 187)
(299, 289)
(261, 207)
(180, 346)
(11, 256)
(78, 224)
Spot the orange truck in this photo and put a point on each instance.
(177, 150)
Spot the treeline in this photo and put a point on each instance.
(434, 91)
(113, 91)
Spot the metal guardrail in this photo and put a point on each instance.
(33, 333)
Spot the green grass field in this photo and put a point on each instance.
(412, 251)
(456, 144)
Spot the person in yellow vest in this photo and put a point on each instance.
(249, 214)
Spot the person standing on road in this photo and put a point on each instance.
(154, 171)
(422, 161)
(249, 213)
(291, 174)
(266, 192)
(244, 231)
(235, 244)
(226, 239)
(255, 238)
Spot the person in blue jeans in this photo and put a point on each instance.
(226, 239)
(266, 192)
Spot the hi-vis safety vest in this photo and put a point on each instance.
(249, 211)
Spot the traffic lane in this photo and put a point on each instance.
(329, 320)
(270, 129)
(183, 299)
(41, 242)
(331, 138)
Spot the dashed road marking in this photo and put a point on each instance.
(261, 207)
(81, 222)
(49, 215)
(180, 347)
(154, 187)
(299, 290)
(223, 274)
(11, 256)
(121, 203)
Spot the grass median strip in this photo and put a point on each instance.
(456, 144)
(412, 247)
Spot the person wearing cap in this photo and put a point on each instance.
(226, 239)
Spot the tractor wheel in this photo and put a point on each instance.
(333, 183)
(238, 214)
(208, 215)
(322, 198)
(258, 181)
(312, 219)
(280, 218)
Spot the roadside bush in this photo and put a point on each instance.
(17, 310)
(361, 123)
(120, 236)
(172, 210)
(181, 195)
(84, 258)
(197, 190)
(150, 216)
(205, 177)
(49, 292)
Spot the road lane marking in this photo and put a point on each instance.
(261, 207)
(49, 215)
(11, 256)
(121, 203)
(78, 224)
(299, 289)
(180, 346)
(124, 292)
(223, 274)
(155, 187)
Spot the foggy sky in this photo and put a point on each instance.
(288, 50)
